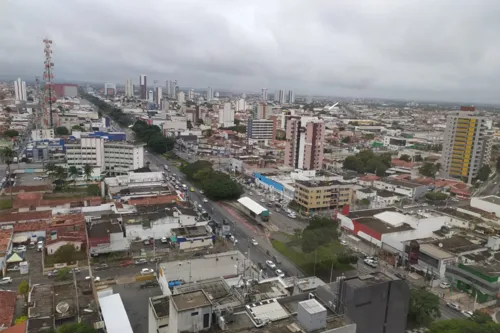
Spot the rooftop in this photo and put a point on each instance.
(318, 183)
(215, 289)
(382, 227)
(403, 183)
(388, 194)
(369, 212)
(190, 231)
(25, 216)
(147, 201)
(7, 307)
(492, 199)
(161, 305)
(103, 229)
(190, 300)
(361, 281)
(435, 251)
(5, 239)
(456, 244)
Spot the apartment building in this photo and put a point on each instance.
(467, 144)
(114, 157)
(261, 129)
(305, 143)
(315, 196)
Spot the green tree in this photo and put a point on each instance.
(221, 187)
(50, 167)
(93, 190)
(73, 173)
(87, 171)
(78, 128)
(11, 133)
(463, 326)
(405, 157)
(320, 231)
(481, 317)
(61, 130)
(207, 133)
(418, 158)
(7, 156)
(436, 196)
(199, 122)
(24, 289)
(65, 253)
(237, 122)
(346, 139)
(20, 319)
(191, 169)
(76, 328)
(498, 163)
(353, 163)
(63, 274)
(428, 170)
(424, 307)
(484, 173)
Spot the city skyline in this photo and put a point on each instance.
(340, 49)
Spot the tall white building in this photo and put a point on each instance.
(191, 94)
(129, 88)
(467, 144)
(151, 96)
(20, 90)
(264, 94)
(241, 105)
(181, 97)
(143, 87)
(291, 97)
(109, 89)
(226, 116)
(115, 157)
(158, 96)
(210, 94)
(281, 96)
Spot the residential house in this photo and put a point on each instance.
(6, 235)
(66, 229)
(26, 202)
(106, 235)
(405, 187)
(7, 308)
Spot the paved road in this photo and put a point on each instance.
(491, 187)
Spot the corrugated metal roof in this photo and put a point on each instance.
(252, 205)
(114, 314)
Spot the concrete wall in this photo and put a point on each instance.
(186, 321)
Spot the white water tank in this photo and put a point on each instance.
(311, 315)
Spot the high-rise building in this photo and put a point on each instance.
(241, 105)
(151, 96)
(109, 89)
(210, 94)
(281, 96)
(304, 146)
(264, 94)
(20, 90)
(276, 97)
(181, 97)
(263, 111)
(158, 96)
(143, 84)
(226, 115)
(467, 145)
(291, 97)
(261, 129)
(129, 88)
(191, 94)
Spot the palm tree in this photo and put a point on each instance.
(60, 174)
(87, 171)
(7, 156)
(50, 166)
(73, 172)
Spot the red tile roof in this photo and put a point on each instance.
(369, 178)
(26, 216)
(7, 307)
(146, 201)
(5, 239)
(19, 328)
(67, 228)
(30, 226)
(34, 188)
(31, 199)
(401, 163)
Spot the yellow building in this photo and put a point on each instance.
(320, 195)
(466, 146)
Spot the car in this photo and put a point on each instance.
(39, 246)
(205, 200)
(149, 284)
(371, 263)
(270, 264)
(251, 193)
(254, 242)
(164, 240)
(200, 206)
(37, 178)
(76, 270)
(157, 259)
(191, 189)
(343, 242)
(52, 273)
(20, 248)
(101, 267)
(201, 192)
(126, 263)
(14, 268)
(147, 271)
(149, 241)
(141, 261)
(292, 216)
(262, 200)
(453, 306)
(467, 314)
(232, 238)
(96, 278)
(6, 280)
(401, 276)
(444, 285)
(279, 273)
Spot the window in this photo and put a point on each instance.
(194, 313)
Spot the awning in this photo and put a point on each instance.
(20, 239)
(14, 257)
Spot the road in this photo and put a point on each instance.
(490, 187)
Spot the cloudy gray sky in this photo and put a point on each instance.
(416, 49)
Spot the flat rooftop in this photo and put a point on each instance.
(434, 251)
(456, 244)
(369, 212)
(190, 231)
(190, 300)
(403, 183)
(382, 227)
(361, 281)
(161, 305)
(42, 297)
(215, 289)
(322, 183)
(492, 199)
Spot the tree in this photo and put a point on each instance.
(418, 158)
(65, 253)
(93, 190)
(346, 139)
(61, 130)
(221, 187)
(436, 196)
(199, 122)
(87, 171)
(424, 307)
(481, 317)
(484, 173)
(11, 133)
(24, 289)
(320, 231)
(20, 319)
(237, 122)
(405, 157)
(353, 163)
(73, 173)
(428, 169)
(189, 125)
(207, 133)
(463, 326)
(7, 156)
(76, 328)
(63, 274)
(50, 167)
(78, 128)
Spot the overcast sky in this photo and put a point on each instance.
(415, 49)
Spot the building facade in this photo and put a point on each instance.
(305, 143)
(20, 90)
(110, 89)
(315, 196)
(467, 144)
(143, 87)
(261, 129)
(129, 88)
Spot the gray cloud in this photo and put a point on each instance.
(417, 49)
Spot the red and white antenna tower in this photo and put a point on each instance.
(49, 94)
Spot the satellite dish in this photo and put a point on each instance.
(440, 244)
(62, 307)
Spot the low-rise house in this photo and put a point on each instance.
(106, 235)
(66, 229)
(6, 235)
(7, 308)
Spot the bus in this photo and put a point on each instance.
(254, 210)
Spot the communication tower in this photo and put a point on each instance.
(48, 75)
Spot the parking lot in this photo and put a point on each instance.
(32, 179)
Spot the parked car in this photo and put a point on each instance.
(444, 285)
(371, 263)
(126, 263)
(467, 314)
(6, 280)
(149, 284)
(149, 241)
(164, 240)
(147, 271)
(280, 273)
(101, 267)
(39, 246)
(141, 261)
(157, 259)
(13, 268)
(453, 306)
(201, 192)
(292, 215)
(401, 276)
(254, 242)
(270, 264)
(343, 242)
(51, 274)
(76, 270)
(205, 200)
(20, 248)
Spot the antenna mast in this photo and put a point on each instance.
(49, 95)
